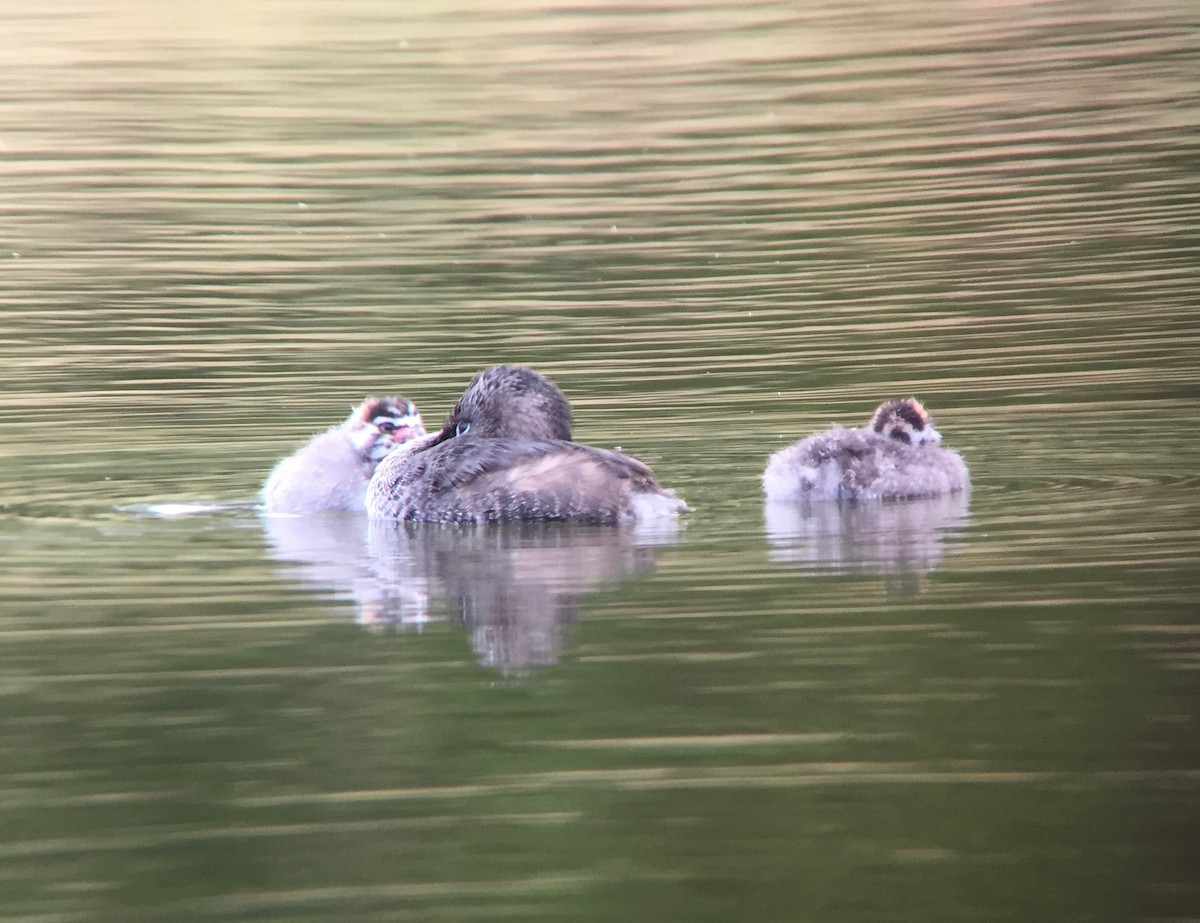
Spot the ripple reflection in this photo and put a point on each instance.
(512, 586)
(895, 540)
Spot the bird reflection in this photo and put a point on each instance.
(900, 541)
(512, 586)
(329, 551)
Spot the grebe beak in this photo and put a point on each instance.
(416, 444)
(442, 435)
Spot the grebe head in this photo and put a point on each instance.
(510, 401)
(379, 424)
(905, 421)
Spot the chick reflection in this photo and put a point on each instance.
(901, 541)
(514, 586)
(329, 551)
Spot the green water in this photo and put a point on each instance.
(718, 228)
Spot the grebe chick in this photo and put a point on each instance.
(332, 471)
(505, 455)
(898, 455)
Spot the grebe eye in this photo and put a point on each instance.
(387, 427)
(463, 428)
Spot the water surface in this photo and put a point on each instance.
(718, 228)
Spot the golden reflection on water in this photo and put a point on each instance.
(718, 228)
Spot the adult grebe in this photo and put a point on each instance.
(505, 455)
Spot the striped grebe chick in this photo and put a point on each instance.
(897, 455)
(332, 470)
